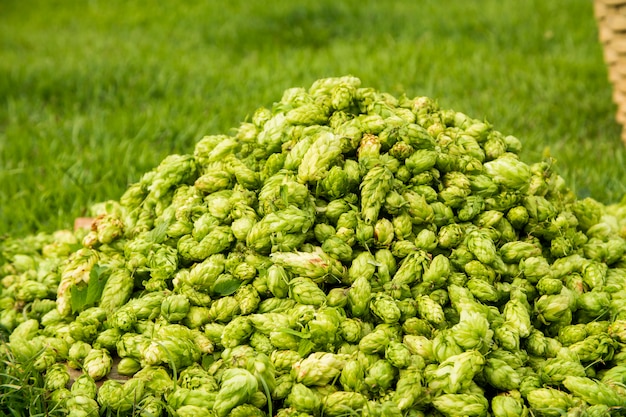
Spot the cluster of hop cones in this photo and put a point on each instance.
(611, 18)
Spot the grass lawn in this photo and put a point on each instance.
(94, 93)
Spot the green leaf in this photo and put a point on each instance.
(226, 286)
(159, 233)
(305, 347)
(78, 297)
(83, 295)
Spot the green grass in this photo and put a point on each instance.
(94, 93)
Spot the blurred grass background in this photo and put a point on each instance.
(94, 93)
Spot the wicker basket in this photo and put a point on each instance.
(611, 18)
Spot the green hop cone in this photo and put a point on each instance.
(246, 410)
(156, 380)
(182, 397)
(512, 252)
(84, 385)
(338, 403)
(408, 389)
(419, 345)
(516, 311)
(397, 354)
(319, 368)
(455, 374)
(378, 409)
(363, 266)
(108, 338)
(248, 298)
(236, 332)
(471, 207)
(549, 286)
(284, 359)
(411, 269)
(593, 304)
(594, 392)
(318, 157)
(173, 344)
(374, 187)
(175, 307)
(517, 216)
(337, 248)
(323, 231)
(76, 273)
(374, 342)
(416, 326)
(352, 376)
(80, 405)
(588, 212)
(617, 330)
(336, 184)
(325, 327)
(303, 399)
(480, 244)
(508, 404)
(426, 240)
(193, 411)
(294, 158)
(195, 377)
(236, 388)
(438, 271)
(402, 225)
(450, 235)
(386, 264)
(571, 334)
(223, 309)
(551, 308)
(549, 402)
(509, 172)
(107, 228)
(111, 395)
(59, 398)
(31, 290)
(501, 375)
(472, 331)
(56, 377)
(383, 233)
(461, 404)
(430, 310)
(151, 406)
(337, 297)
(316, 265)
(555, 370)
(351, 330)
(535, 268)
(284, 383)
(198, 316)
(97, 363)
(421, 160)
(595, 347)
(278, 281)
(77, 353)
(305, 291)
(443, 346)
(384, 307)
(380, 376)
(128, 366)
(359, 296)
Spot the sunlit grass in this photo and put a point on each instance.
(93, 94)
